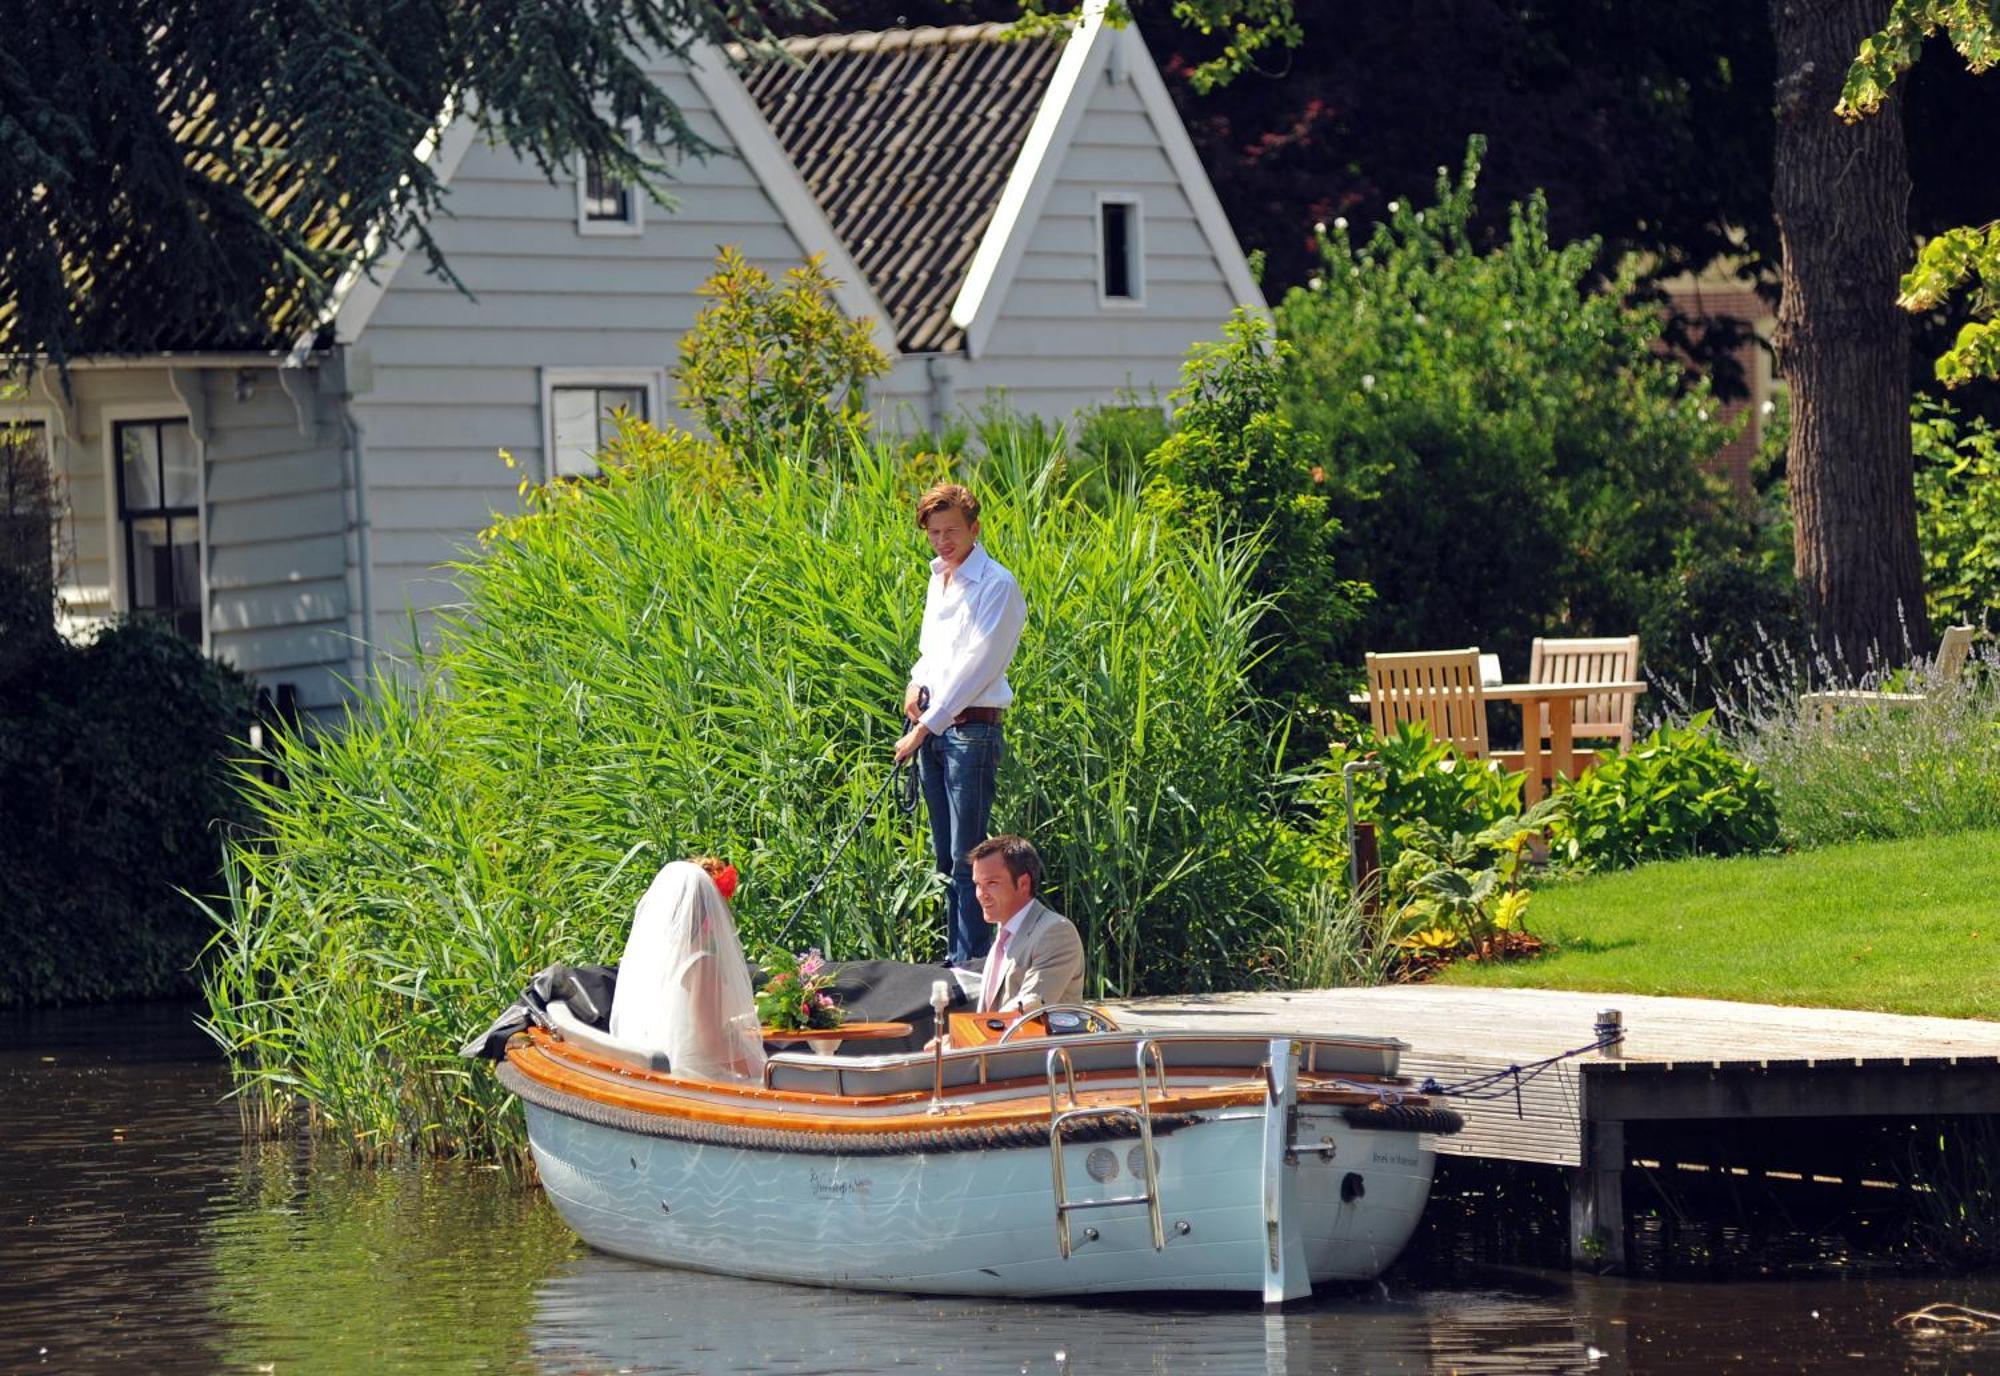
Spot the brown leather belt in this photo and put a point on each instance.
(988, 715)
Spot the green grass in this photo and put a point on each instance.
(1908, 926)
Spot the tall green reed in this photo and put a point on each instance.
(702, 656)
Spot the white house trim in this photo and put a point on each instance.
(1222, 241)
(1034, 174)
(360, 289)
(779, 176)
(651, 380)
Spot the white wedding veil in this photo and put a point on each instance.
(683, 987)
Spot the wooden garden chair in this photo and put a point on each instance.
(1607, 659)
(1954, 652)
(1440, 688)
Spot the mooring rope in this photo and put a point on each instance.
(1498, 1084)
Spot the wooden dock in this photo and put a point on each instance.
(1681, 1059)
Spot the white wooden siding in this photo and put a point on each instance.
(273, 523)
(457, 380)
(1055, 349)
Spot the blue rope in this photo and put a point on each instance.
(1498, 1084)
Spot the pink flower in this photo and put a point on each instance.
(811, 963)
(823, 1000)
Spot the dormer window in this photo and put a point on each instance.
(606, 204)
(1120, 252)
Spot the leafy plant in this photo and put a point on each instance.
(1958, 511)
(1678, 792)
(764, 362)
(1424, 787)
(1234, 459)
(1462, 893)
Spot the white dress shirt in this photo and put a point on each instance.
(972, 626)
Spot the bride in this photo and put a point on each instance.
(683, 987)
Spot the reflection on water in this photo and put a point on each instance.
(137, 1233)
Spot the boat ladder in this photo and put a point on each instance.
(1064, 1110)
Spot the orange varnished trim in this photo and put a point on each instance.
(542, 1058)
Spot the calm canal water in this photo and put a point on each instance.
(139, 1234)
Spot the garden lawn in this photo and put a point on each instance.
(1890, 926)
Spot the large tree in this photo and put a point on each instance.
(1839, 193)
(184, 173)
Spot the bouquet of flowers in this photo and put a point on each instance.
(794, 997)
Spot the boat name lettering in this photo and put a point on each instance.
(826, 1187)
(1394, 1158)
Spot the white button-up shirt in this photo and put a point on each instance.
(972, 626)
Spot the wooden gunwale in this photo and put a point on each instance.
(541, 1057)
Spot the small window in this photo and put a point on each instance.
(159, 519)
(583, 419)
(605, 204)
(1118, 251)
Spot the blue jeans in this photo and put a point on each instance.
(958, 769)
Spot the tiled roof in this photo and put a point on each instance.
(906, 139)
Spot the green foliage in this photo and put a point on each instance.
(115, 781)
(316, 127)
(1457, 892)
(1232, 459)
(1507, 446)
(1878, 771)
(1425, 788)
(648, 668)
(763, 363)
(1678, 792)
(1247, 30)
(1965, 256)
(1958, 513)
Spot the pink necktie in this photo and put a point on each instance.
(991, 994)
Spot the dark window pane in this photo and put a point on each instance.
(605, 198)
(1117, 249)
(612, 400)
(164, 557)
(139, 466)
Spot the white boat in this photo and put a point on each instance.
(1110, 1161)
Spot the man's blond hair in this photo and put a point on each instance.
(947, 497)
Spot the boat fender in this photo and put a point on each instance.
(1378, 1117)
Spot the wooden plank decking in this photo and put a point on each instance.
(1692, 1058)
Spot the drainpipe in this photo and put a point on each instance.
(357, 456)
(937, 371)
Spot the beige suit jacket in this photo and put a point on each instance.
(1044, 958)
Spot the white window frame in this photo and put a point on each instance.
(1136, 264)
(649, 379)
(109, 418)
(635, 200)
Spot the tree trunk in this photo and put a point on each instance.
(1840, 192)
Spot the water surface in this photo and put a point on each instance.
(139, 1234)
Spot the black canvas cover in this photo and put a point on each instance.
(586, 989)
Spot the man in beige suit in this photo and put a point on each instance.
(1036, 951)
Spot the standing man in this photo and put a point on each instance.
(973, 615)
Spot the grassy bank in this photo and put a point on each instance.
(1892, 926)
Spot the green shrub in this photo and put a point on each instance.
(1424, 786)
(1233, 459)
(115, 784)
(1677, 792)
(1958, 512)
(648, 667)
(747, 390)
(1508, 448)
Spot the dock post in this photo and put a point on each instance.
(1597, 1200)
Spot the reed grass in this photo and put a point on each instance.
(676, 660)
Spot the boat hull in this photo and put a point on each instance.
(983, 1221)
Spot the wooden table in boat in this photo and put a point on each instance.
(824, 1039)
(1561, 700)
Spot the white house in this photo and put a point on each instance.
(1021, 217)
